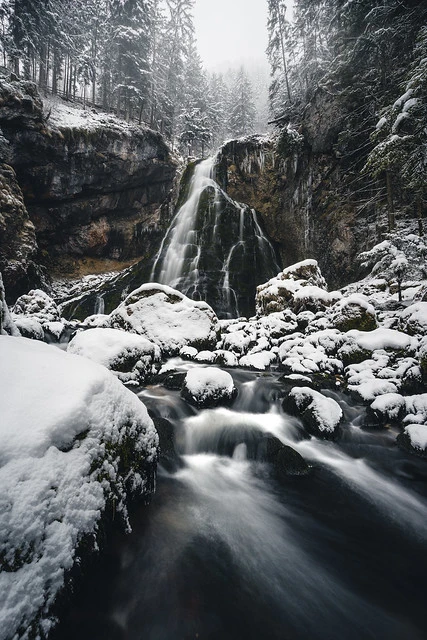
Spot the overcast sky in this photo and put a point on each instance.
(231, 31)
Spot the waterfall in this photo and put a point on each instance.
(214, 248)
(181, 238)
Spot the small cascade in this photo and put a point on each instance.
(215, 249)
(99, 304)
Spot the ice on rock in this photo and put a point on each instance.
(63, 422)
(129, 356)
(7, 325)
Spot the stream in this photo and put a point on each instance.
(226, 552)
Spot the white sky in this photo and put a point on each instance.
(231, 31)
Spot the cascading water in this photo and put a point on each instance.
(215, 249)
(227, 552)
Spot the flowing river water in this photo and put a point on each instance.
(226, 552)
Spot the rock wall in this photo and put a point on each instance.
(309, 187)
(92, 185)
(298, 196)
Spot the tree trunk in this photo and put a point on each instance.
(390, 204)
(420, 215)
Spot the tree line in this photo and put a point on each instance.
(370, 58)
(137, 58)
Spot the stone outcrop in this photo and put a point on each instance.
(18, 246)
(296, 191)
(92, 184)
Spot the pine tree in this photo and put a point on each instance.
(242, 108)
(278, 34)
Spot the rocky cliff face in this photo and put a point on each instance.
(93, 185)
(309, 187)
(298, 193)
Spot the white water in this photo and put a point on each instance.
(180, 238)
(180, 262)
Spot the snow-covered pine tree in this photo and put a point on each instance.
(242, 108)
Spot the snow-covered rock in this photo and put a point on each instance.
(208, 387)
(131, 357)
(321, 415)
(279, 293)
(74, 443)
(353, 312)
(166, 317)
(383, 339)
(37, 304)
(414, 439)
(29, 327)
(413, 319)
(389, 407)
(260, 361)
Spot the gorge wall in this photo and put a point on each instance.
(75, 184)
(308, 186)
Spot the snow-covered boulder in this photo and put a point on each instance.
(414, 439)
(208, 387)
(75, 445)
(279, 293)
(389, 407)
(258, 361)
(413, 319)
(166, 317)
(353, 312)
(29, 327)
(383, 339)
(37, 304)
(314, 299)
(131, 357)
(321, 416)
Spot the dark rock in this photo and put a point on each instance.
(284, 460)
(173, 380)
(94, 191)
(18, 246)
(169, 458)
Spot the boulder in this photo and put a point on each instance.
(166, 317)
(76, 447)
(285, 461)
(132, 358)
(208, 387)
(413, 439)
(285, 291)
(413, 319)
(353, 312)
(321, 416)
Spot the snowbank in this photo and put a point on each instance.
(65, 423)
